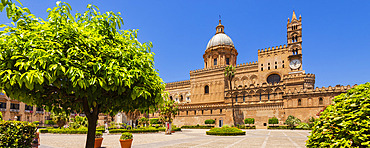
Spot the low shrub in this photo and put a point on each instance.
(245, 127)
(100, 130)
(249, 121)
(117, 130)
(225, 131)
(154, 121)
(126, 135)
(49, 122)
(16, 133)
(277, 127)
(138, 130)
(198, 126)
(303, 126)
(98, 134)
(210, 121)
(273, 121)
(36, 122)
(43, 130)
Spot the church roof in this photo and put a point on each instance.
(220, 38)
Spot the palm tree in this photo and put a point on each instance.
(230, 74)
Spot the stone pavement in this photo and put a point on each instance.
(188, 138)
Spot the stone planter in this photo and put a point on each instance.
(126, 143)
(98, 142)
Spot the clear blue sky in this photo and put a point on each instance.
(336, 34)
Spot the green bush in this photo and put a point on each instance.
(245, 127)
(1, 116)
(49, 122)
(16, 133)
(197, 126)
(210, 121)
(291, 121)
(126, 135)
(277, 127)
(36, 122)
(117, 130)
(274, 120)
(174, 128)
(154, 121)
(225, 131)
(303, 125)
(346, 123)
(43, 130)
(98, 134)
(249, 121)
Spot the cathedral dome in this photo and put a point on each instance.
(220, 39)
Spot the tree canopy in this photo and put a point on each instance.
(80, 62)
(345, 123)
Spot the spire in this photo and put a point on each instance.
(294, 17)
(220, 27)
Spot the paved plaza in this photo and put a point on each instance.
(188, 138)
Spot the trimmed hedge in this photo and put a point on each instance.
(16, 133)
(139, 130)
(210, 121)
(246, 127)
(225, 131)
(197, 126)
(287, 127)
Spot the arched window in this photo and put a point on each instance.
(227, 61)
(214, 61)
(206, 89)
(274, 78)
(236, 99)
(181, 98)
(171, 98)
(321, 102)
(220, 111)
(299, 102)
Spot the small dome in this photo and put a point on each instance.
(220, 39)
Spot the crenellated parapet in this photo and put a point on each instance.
(202, 106)
(247, 64)
(178, 83)
(317, 90)
(272, 49)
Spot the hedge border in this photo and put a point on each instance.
(225, 133)
(197, 127)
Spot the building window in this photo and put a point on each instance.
(227, 61)
(268, 68)
(14, 106)
(283, 65)
(171, 98)
(214, 61)
(28, 107)
(195, 112)
(260, 97)
(274, 78)
(321, 102)
(268, 96)
(211, 111)
(3, 105)
(243, 98)
(236, 99)
(202, 112)
(187, 112)
(206, 89)
(283, 61)
(261, 69)
(206, 64)
(299, 102)
(220, 111)
(181, 99)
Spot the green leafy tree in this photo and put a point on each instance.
(60, 119)
(230, 74)
(346, 123)
(167, 112)
(78, 122)
(210, 121)
(273, 121)
(143, 121)
(80, 62)
(291, 121)
(249, 121)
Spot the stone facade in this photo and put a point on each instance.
(16, 110)
(274, 86)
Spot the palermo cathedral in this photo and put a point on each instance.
(274, 86)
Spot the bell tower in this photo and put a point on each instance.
(294, 39)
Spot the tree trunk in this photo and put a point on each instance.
(232, 103)
(92, 117)
(91, 130)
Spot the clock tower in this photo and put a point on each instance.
(294, 39)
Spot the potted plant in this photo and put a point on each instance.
(98, 139)
(126, 140)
